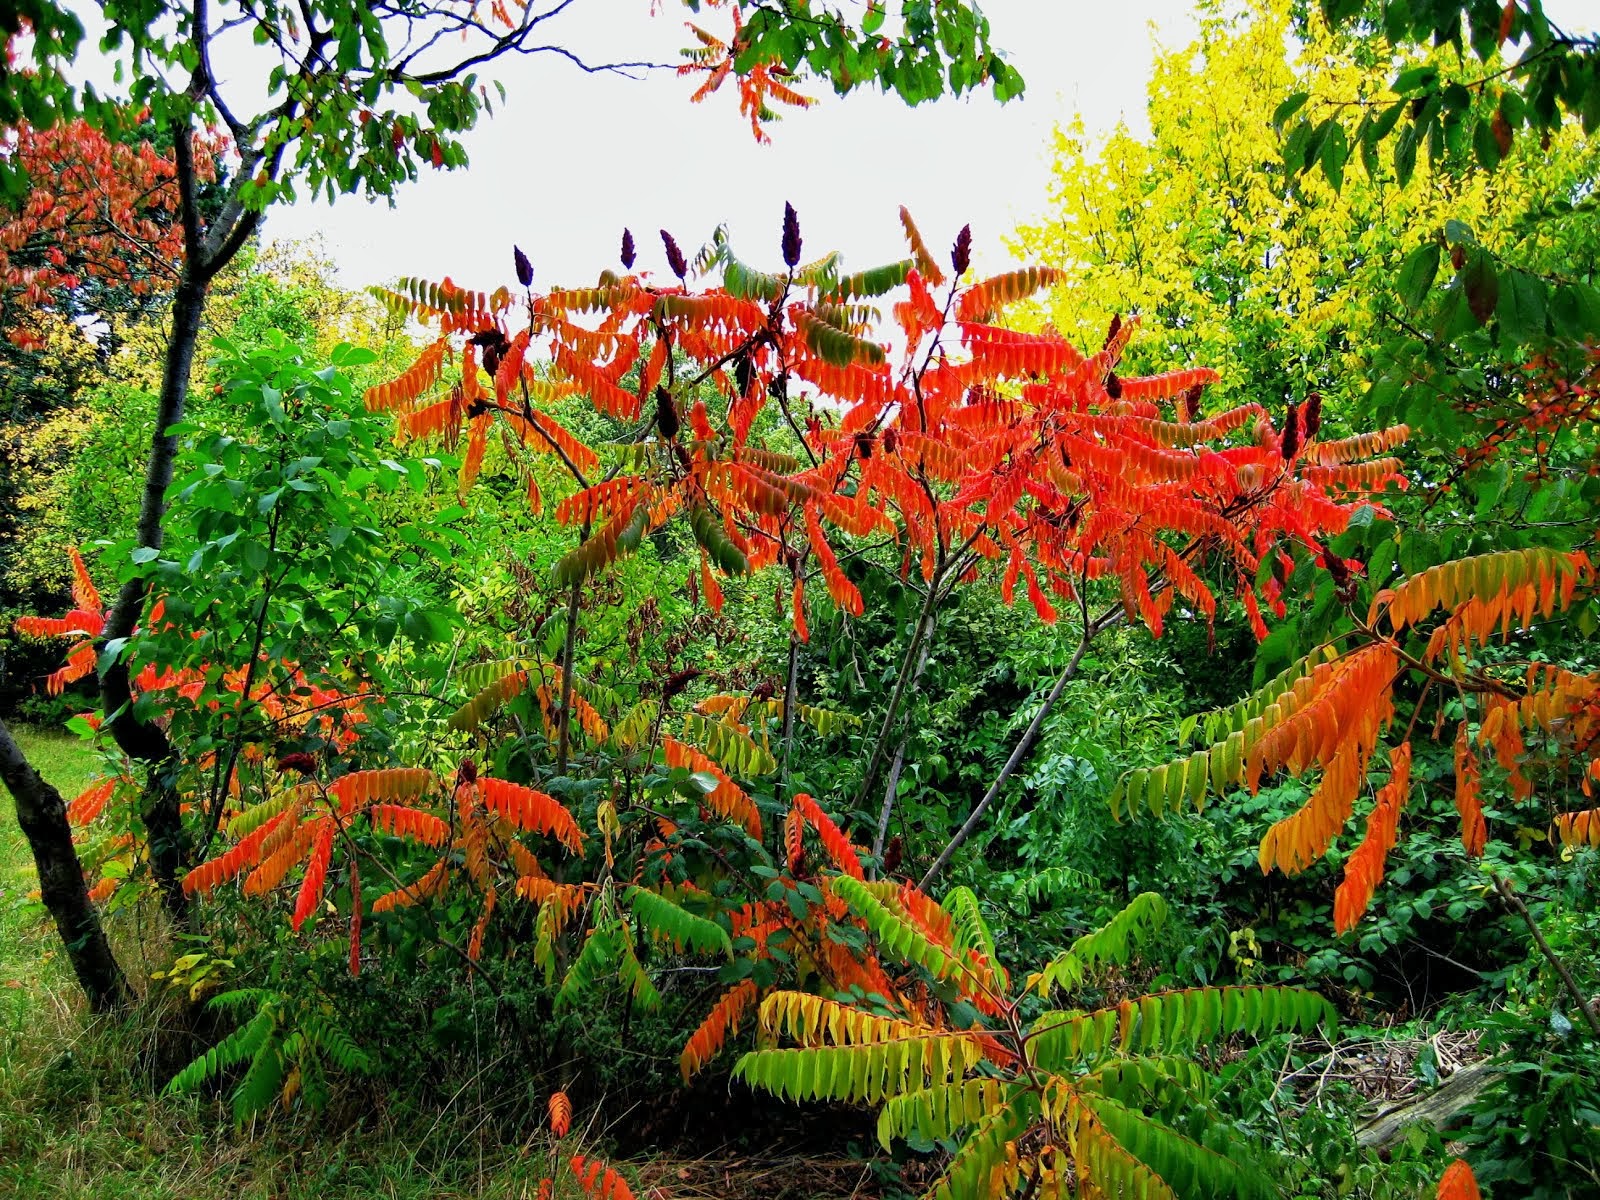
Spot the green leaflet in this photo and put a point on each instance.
(1061, 1041)
(478, 676)
(1187, 1167)
(937, 1112)
(617, 540)
(239, 1045)
(489, 700)
(894, 934)
(1168, 1021)
(971, 933)
(338, 1045)
(1167, 1083)
(1230, 732)
(719, 547)
(257, 815)
(819, 272)
(1052, 880)
(667, 922)
(825, 721)
(1220, 722)
(984, 1151)
(875, 281)
(262, 1080)
(635, 724)
(867, 1074)
(1113, 942)
(637, 980)
(739, 279)
(1115, 1172)
(597, 958)
(834, 346)
(732, 749)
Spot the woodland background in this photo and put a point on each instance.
(1381, 214)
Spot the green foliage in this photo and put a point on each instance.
(1535, 1130)
(1529, 74)
(666, 922)
(1055, 1080)
(287, 1048)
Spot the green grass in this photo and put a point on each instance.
(81, 1110)
(26, 962)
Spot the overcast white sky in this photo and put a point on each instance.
(570, 158)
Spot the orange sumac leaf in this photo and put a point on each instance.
(359, 789)
(475, 941)
(91, 802)
(279, 859)
(1363, 870)
(1458, 1182)
(1577, 828)
(979, 301)
(598, 1180)
(417, 379)
(794, 839)
(727, 800)
(1474, 831)
(533, 811)
(844, 854)
(560, 1114)
(410, 823)
(204, 878)
(316, 874)
(720, 1023)
(845, 593)
(428, 886)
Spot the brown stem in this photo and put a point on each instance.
(1514, 902)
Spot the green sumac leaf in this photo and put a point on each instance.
(724, 555)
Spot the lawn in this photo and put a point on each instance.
(68, 764)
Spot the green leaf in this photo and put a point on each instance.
(1521, 310)
(1417, 274)
(1288, 108)
(1335, 152)
(1482, 286)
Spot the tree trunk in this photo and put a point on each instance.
(880, 748)
(43, 816)
(142, 740)
(1018, 754)
(887, 810)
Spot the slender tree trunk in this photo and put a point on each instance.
(1514, 902)
(887, 809)
(143, 740)
(1018, 754)
(206, 252)
(43, 816)
(923, 630)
